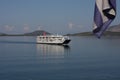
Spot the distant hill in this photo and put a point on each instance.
(107, 33)
(81, 34)
(36, 33)
(3, 34)
(112, 31)
(115, 28)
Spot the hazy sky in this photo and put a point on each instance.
(55, 16)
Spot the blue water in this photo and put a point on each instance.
(86, 58)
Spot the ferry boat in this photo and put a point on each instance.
(53, 39)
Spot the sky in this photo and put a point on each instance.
(54, 16)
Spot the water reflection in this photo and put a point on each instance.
(52, 51)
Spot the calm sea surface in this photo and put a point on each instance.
(86, 58)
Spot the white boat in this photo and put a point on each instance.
(53, 39)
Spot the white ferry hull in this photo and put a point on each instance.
(59, 40)
(58, 43)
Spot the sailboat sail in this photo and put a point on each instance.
(105, 12)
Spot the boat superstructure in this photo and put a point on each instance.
(53, 39)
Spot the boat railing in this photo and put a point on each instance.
(55, 36)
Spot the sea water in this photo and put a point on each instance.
(85, 58)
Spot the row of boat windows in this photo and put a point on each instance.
(50, 38)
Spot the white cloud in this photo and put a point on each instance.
(9, 28)
(26, 28)
(70, 25)
(40, 27)
(80, 26)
